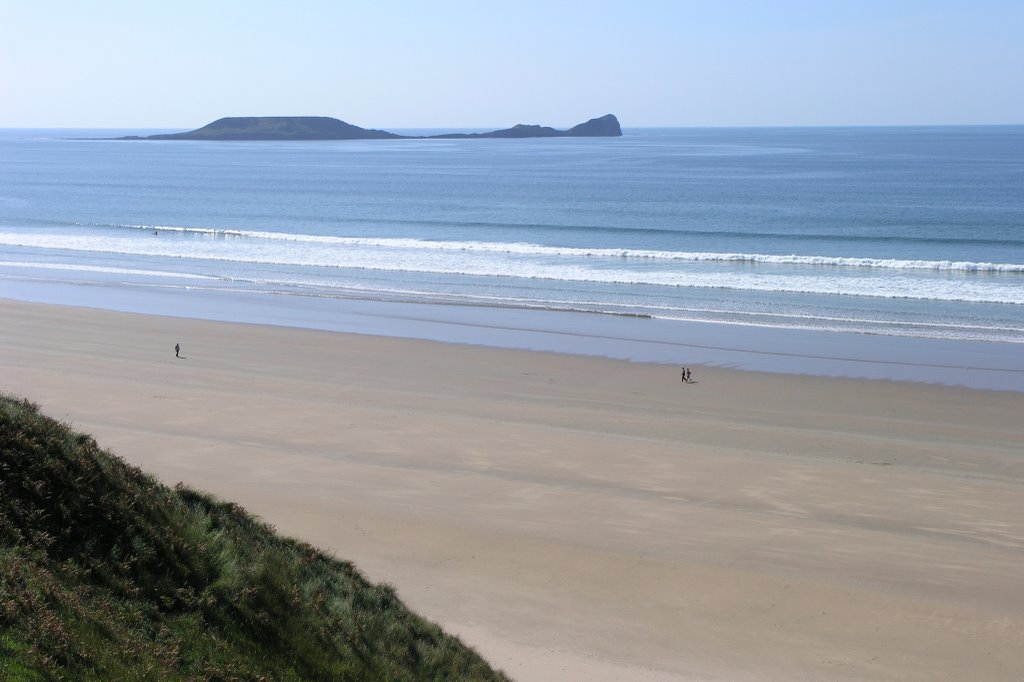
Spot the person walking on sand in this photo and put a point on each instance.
(682, 375)
(177, 350)
(688, 379)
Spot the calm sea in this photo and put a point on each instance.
(896, 231)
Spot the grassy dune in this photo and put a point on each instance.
(107, 574)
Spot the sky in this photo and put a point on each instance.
(456, 63)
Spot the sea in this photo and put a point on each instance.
(789, 239)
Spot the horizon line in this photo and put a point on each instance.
(624, 127)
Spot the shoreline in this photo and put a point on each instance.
(987, 365)
(574, 517)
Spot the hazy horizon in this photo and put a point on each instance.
(456, 64)
(477, 128)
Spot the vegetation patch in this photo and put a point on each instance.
(107, 574)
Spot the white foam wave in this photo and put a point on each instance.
(528, 249)
(72, 267)
(265, 255)
(673, 312)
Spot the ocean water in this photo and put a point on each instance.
(904, 231)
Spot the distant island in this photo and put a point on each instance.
(326, 128)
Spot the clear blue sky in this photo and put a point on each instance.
(451, 63)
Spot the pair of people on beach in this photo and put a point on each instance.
(685, 376)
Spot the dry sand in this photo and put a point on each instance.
(584, 519)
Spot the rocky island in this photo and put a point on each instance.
(326, 128)
(604, 126)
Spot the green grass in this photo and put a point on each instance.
(105, 574)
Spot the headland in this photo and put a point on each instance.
(325, 128)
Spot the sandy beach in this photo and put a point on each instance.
(579, 518)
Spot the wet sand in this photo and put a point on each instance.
(582, 518)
